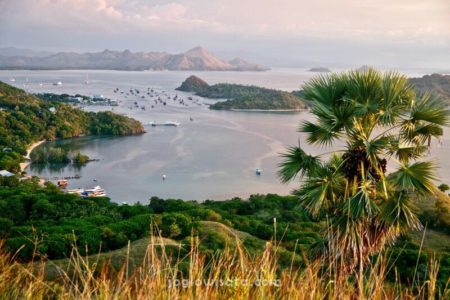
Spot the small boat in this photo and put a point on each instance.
(96, 191)
(172, 123)
(12, 79)
(57, 83)
(75, 191)
(258, 172)
(163, 177)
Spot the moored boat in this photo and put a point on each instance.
(172, 123)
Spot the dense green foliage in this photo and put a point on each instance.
(44, 217)
(49, 155)
(243, 96)
(80, 159)
(25, 119)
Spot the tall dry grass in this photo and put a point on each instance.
(231, 274)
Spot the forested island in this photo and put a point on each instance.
(25, 118)
(243, 97)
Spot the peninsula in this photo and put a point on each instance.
(27, 119)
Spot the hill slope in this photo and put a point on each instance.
(438, 84)
(25, 119)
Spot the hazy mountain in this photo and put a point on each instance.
(194, 59)
(242, 65)
(13, 51)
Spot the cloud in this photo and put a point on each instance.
(243, 24)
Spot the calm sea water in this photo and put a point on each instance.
(214, 156)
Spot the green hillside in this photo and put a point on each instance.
(25, 119)
(437, 84)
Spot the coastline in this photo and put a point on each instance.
(30, 149)
(268, 110)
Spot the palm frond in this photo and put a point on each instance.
(398, 94)
(397, 212)
(431, 110)
(417, 178)
(361, 204)
(322, 190)
(364, 88)
(320, 133)
(296, 161)
(405, 151)
(327, 90)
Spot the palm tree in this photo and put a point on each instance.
(382, 123)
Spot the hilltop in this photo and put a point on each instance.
(196, 58)
(242, 97)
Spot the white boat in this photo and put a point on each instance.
(172, 123)
(57, 83)
(96, 191)
(75, 191)
(12, 79)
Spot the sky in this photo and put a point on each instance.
(284, 33)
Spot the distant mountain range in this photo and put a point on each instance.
(196, 59)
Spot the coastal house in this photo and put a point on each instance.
(6, 173)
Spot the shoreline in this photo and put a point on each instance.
(24, 165)
(268, 110)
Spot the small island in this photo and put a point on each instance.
(243, 97)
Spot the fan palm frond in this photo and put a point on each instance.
(295, 162)
(431, 110)
(397, 212)
(405, 151)
(417, 177)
